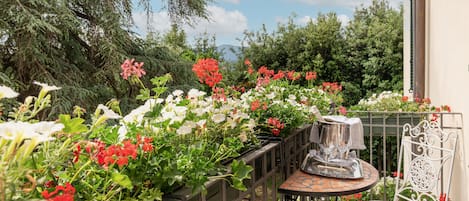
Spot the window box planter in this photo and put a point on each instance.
(263, 177)
(388, 123)
(294, 149)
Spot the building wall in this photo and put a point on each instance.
(447, 74)
(407, 41)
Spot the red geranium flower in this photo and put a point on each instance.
(207, 71)
(68, 191)
(254, 105)
(280, 74)
(310, 75)
(405, 98)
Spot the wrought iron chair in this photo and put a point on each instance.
(431, 153)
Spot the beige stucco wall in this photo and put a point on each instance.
(447, 80)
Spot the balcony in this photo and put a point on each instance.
(277, 160)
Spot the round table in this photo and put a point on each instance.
(304, 184)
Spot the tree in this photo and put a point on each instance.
(76, 44)
(375, 38)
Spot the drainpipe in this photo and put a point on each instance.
(419, 48)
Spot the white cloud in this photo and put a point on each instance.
(159, 22)
(346, 3)
(221, 23)
(344, 19)
(232, 1)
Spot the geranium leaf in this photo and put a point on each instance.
(240, 172)
(122, 180)
(74, 125)
(144, 94)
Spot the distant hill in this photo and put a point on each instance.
(229, 52)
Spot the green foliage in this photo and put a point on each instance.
(375, 38)
(74, 125)
(365, 55)
(79, 46)
(240, 172)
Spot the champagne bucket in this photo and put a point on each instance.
(335, 137)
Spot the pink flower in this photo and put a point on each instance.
(130, 67)
(342, 110)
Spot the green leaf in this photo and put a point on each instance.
(122, 180)
(151, 194)
(240, 172)
(144, 94)
(74, 125)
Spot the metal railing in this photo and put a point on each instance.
(274, 162)
(383, 130)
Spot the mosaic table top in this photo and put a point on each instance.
(301, 183)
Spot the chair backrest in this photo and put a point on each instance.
(431, 153)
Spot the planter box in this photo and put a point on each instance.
(294, 149)
(389, 124)
(263, 178)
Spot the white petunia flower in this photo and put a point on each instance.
(47, 127)
(108, 113)
(199, 111)
(190, 124)
(40, 131)
(292, 97)
(201, 123)
(183, 130)
(270, 96)
(231, 122)
(7, 92)
(168, 115)
(243, 137)
(194, 94)
(46, 87)
(16, 130)
(137, 114)
(169, 98)
(218, 118)
(178, 92)
(251, 124)
(122, 132)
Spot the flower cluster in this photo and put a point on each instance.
(263, 76)
(61, 193)
(115, 153)
(276, 125)
(130, 68)
(331, 87)
(207, 71)
(393, 101)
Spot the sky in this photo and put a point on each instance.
(229, 19)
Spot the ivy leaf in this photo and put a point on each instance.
(122, 180)
(240, 172)
(74, 125)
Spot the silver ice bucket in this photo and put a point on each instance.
(334, 139)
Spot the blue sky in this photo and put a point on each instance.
(230, 18)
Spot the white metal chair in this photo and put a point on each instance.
(431, 153)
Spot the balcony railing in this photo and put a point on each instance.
(383, 131)
(277, 160)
